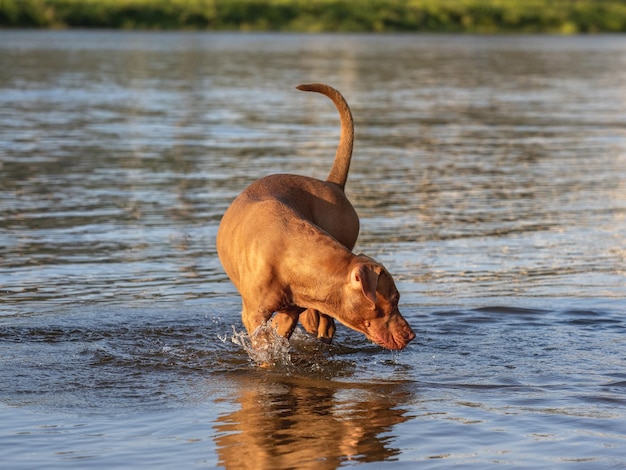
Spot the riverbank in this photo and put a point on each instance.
(451, 16)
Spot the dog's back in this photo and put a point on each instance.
(322, 203)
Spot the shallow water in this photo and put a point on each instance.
(490, 178)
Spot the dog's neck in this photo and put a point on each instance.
(322, 274)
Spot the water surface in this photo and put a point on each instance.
(490, 178)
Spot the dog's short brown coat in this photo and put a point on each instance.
(286, 241)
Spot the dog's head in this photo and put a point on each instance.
(372, 305)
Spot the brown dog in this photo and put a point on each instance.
(286, 241)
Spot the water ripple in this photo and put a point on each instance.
(489, 176)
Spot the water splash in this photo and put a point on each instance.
(265, 347)
(302, 354)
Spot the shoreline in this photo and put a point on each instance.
(488, 17)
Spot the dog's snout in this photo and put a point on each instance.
(410, 334)
(403, 333)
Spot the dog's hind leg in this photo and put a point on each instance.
(318, 324)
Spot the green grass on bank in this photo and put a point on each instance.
(469, 16)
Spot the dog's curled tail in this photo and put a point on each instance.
(339, 172)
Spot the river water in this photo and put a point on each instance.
(490, 178)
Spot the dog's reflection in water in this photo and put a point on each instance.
(296, 422)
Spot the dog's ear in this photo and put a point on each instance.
(365, 277)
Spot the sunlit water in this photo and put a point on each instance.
(490, 178)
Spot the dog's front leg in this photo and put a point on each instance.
(254, 317)
(285, 321)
